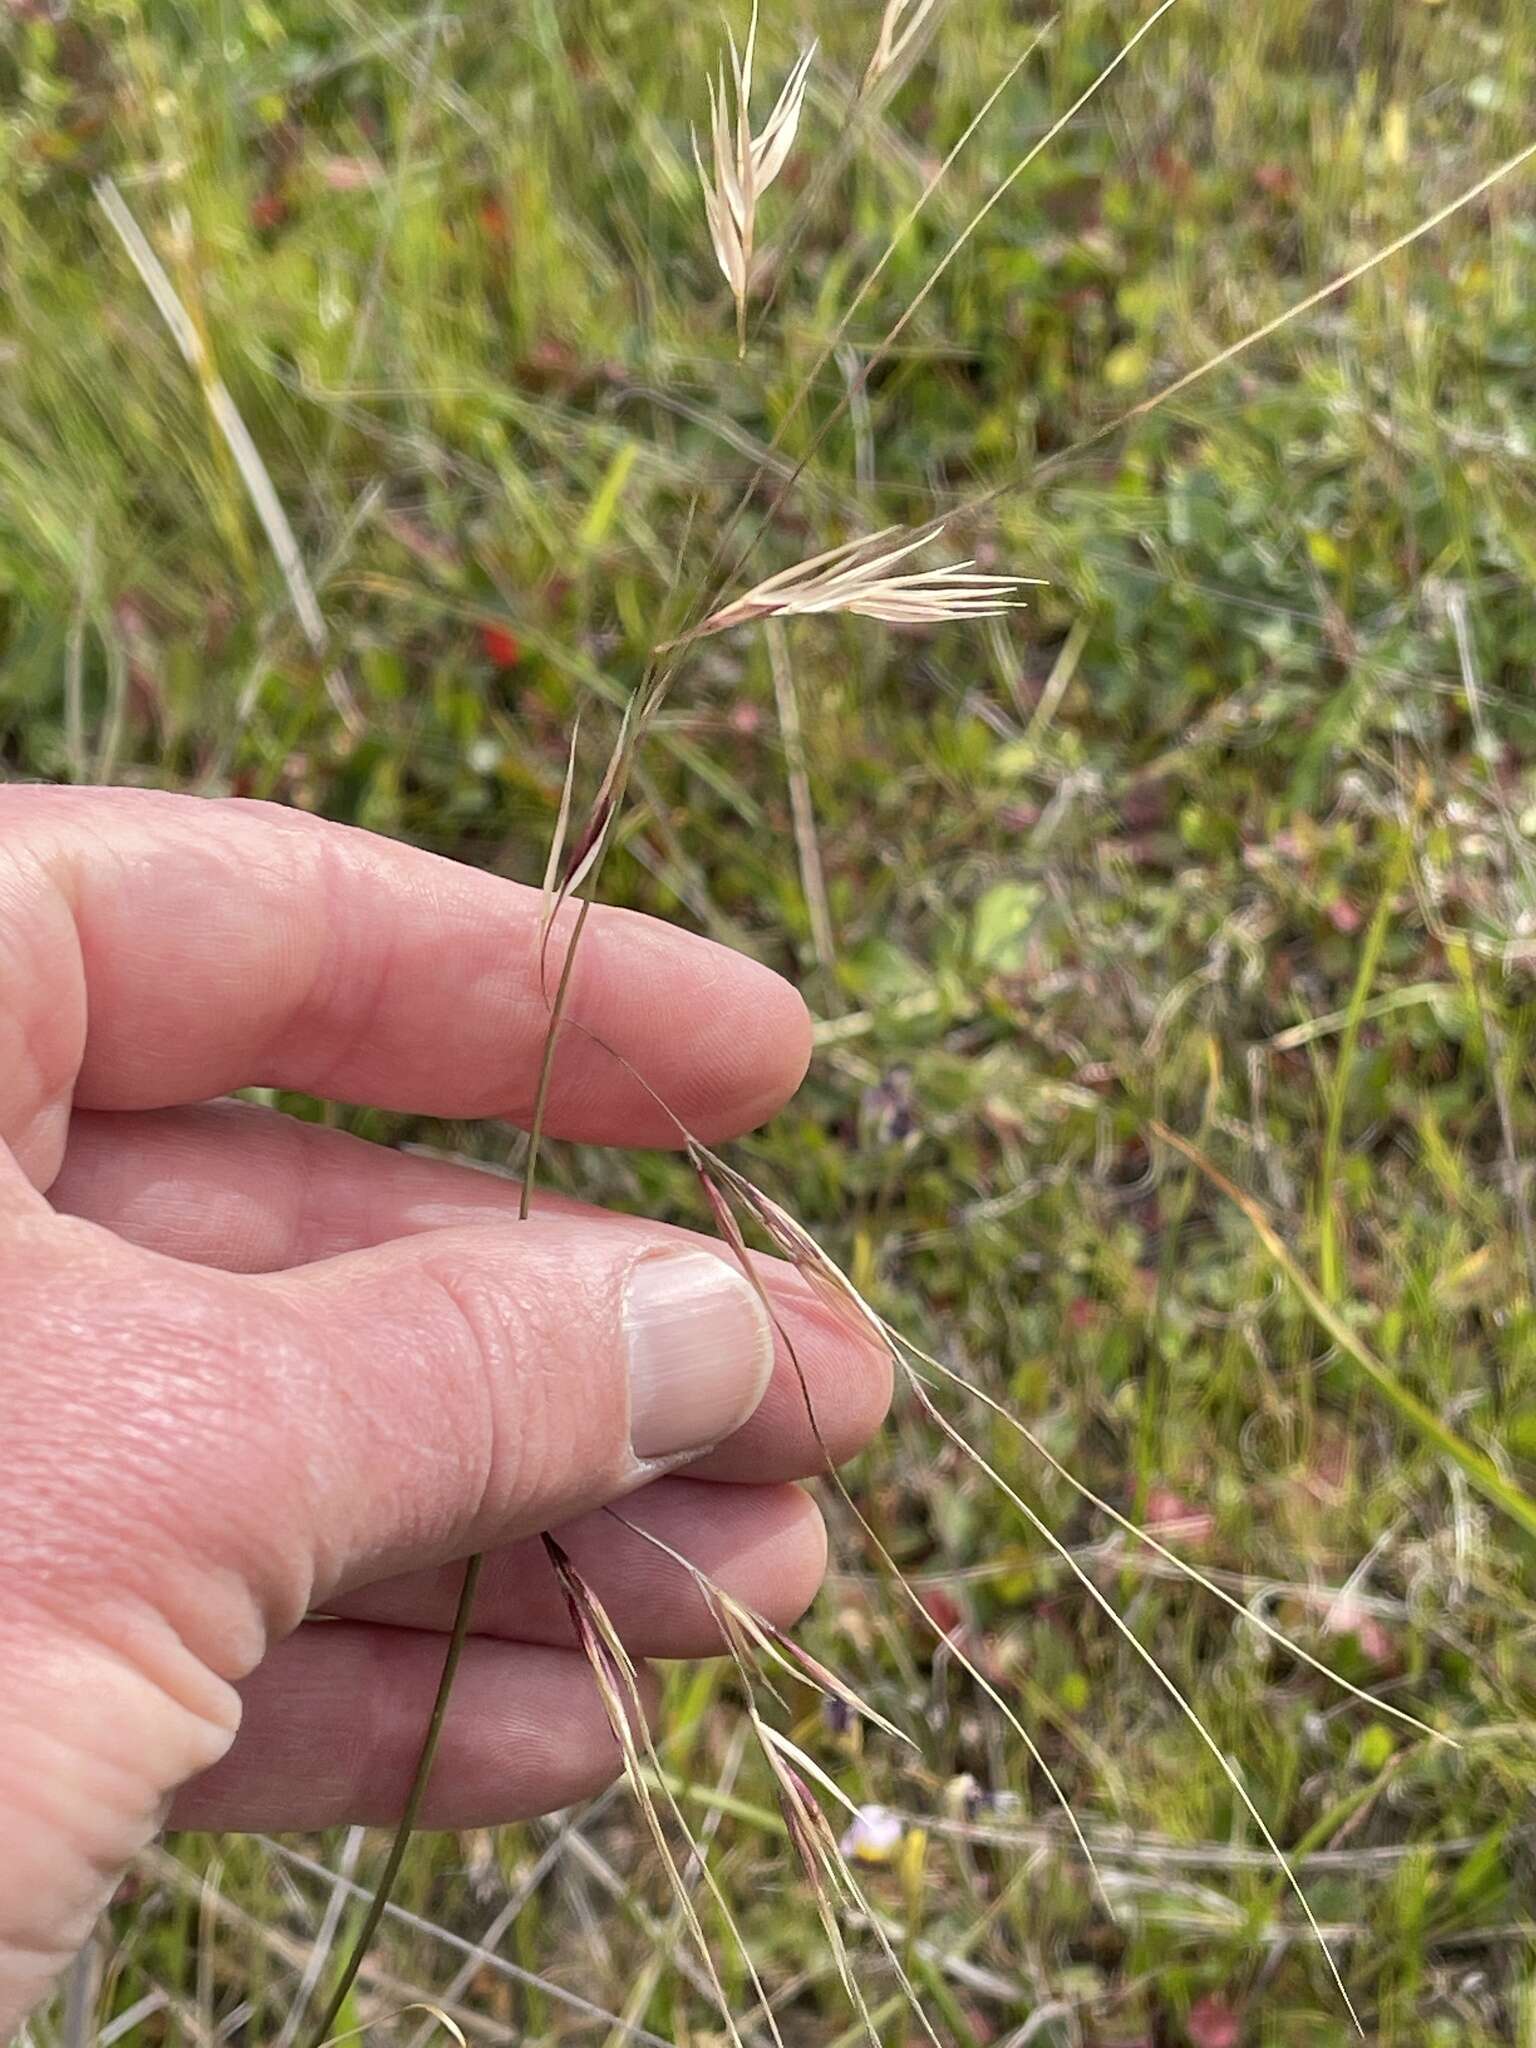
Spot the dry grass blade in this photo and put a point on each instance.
(319, 1955)
(745, 165)
(619, 1690)
(477, 1955)
(899, 27)
(440, 2018)
(1001, 192)
(1310, 303)
(237, 436)
(857, 577)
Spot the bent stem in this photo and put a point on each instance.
(321, 2031)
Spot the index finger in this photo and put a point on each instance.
(161, 949)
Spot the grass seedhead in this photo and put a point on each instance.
(815, 1846)
(899, 27)
(618, 1686)
(832, 1882)
(796, 1244)
(744, 165)
(858, 577)
(748, 1636)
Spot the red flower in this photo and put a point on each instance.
(502, 648)
(941, 1608)
(1214, 2023)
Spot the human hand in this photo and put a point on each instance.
(254, 1370)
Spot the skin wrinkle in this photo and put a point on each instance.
(77, 879)
(140, 1637)
(134, 1451)
(87, 1781)
(299, 1183)
(133, 1440)
(412, 1344)
(503, 1471)
(261, 948)
(485, 1332)
(348, 979)
(531, 1461)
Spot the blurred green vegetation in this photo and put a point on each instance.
(1114, 860)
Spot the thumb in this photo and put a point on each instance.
(469, 1386)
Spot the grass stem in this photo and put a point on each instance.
(321, 2031)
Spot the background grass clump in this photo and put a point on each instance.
(1234, 828)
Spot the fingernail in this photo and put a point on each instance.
(700, 1352)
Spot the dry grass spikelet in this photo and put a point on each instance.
(745, 165)
(898, 27)
(858, 577)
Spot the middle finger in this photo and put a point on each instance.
(764, 1545)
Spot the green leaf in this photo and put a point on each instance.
(1000, 926)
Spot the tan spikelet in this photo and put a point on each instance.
(744, 165)
(858, 577)
(898, 28)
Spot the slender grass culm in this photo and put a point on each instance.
(1108, 459)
